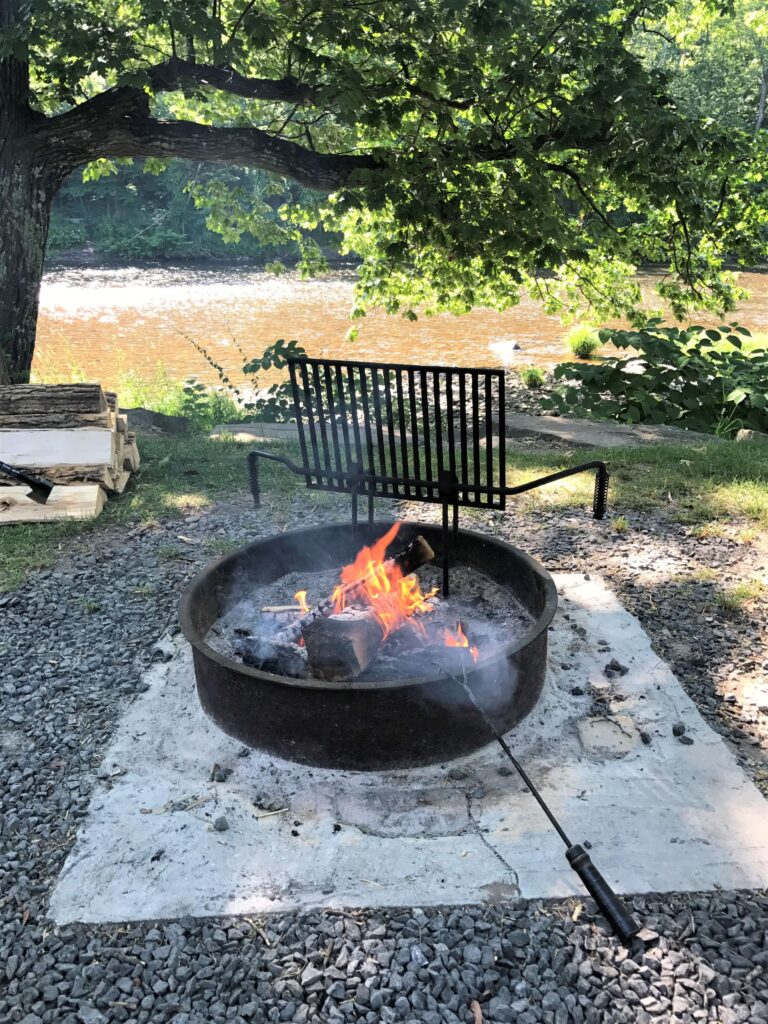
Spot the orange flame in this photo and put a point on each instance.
(457, 638)
(300, 597)
(394, 598)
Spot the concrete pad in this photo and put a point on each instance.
(661, 816)
(576, 432)
(602, 433)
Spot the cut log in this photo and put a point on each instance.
(269, 655)
(76, 474)
(131, 459)
(84, 446)
(53, 418)
(342, 646)
(42, 399)
(81, 501)
(120, 482)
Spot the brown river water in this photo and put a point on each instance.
(102, 324)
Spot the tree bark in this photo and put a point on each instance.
(26, 193)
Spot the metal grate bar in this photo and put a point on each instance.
(391, 429)
(311, 423)
(299, 405)
(332, 415)
(414, 430)
(463, 434)
(403, 430)
(427, 432)
(476, 432)
(451, 424)
(320, 412)
(488, 429)
(371, 463)
(379, 424)
(439, 453)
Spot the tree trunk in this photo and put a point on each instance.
(26, 193)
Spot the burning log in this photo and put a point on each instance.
(340, 639)
(416, 554)
(342, 646)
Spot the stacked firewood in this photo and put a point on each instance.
(67, 433)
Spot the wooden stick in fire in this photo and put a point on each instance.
(417, 553)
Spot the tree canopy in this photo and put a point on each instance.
(466, 149)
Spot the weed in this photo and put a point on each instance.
(620, 524)
(582, 341)
(712, 529)
(736, 598)
(704, 574)
(222, 545)
(169, 551)
(531, 377)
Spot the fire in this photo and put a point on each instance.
(394, 598)
(457, 638)
(300, 597)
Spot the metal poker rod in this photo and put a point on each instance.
(619, 917)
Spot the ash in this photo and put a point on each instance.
(489, 614)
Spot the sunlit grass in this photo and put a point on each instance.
(698, 484)
(715, 488)
(736, 598)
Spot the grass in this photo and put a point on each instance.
(704, 485)
(583, 341)
(711, 487)
(736, 598)
(531, 377)
(176, 476)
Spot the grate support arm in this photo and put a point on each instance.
(600, 500)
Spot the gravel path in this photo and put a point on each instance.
(73, 644)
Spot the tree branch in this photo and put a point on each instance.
(173, 73)
(246, 147)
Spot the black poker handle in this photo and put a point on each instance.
(622, 922)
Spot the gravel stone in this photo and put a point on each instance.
(67, 678)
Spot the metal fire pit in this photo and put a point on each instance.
(366, 725)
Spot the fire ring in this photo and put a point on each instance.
(366, 725)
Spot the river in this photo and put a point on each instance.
(104, 323)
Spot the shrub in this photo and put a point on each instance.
(532, 377)
(583, 341)
(695, 377)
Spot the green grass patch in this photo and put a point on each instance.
(735, 599)
(176, 476)
(705, 485)
(699, 484)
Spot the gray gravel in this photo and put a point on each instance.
(68, 669)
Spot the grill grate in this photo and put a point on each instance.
(392, 430)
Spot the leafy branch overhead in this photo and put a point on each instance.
(465, 150)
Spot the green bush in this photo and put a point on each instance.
(583, 341)
(532, 377)
(699, 378)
